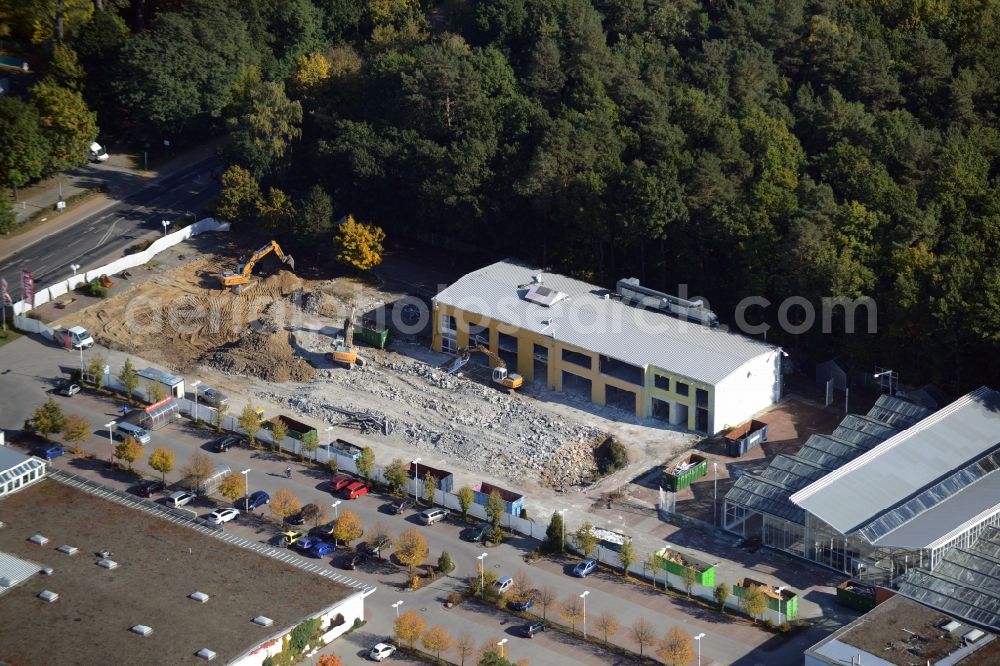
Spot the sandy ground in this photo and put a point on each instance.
(269, 342)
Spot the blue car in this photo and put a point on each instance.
(322, 549)
(257, 500)
(49, 452)
(584, 568)
(522, 605)
(306, 543)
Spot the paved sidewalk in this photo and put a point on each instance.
(117, 175)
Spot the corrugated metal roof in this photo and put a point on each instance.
(906, 463)
(604, 325)
(15, 570)
(160, 376)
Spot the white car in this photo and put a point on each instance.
(220, 516)
(382, 651)
(179, 498)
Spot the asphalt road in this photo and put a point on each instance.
(86, 240)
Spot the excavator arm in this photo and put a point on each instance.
(244, 270)
(465, 352)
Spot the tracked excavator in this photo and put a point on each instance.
(239, 278)
(503, 379)
(344, 351)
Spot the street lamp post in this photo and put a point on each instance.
(195, 387)
(396, 606)
(336, 513)
(584, 597)
(246, 488)
(780, 590)
(416, 479)
(715, 493)
(109, 426)
(165, 223)
(891, 374)
(562, 513)
(501, 644)
(74, 268)
(482, 575)
(698, 638)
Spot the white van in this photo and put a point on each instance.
(141, 434)
(96, 153)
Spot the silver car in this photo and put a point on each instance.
(431, 516)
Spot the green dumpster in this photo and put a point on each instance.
(682, 473)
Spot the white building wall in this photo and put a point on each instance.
(756, 385)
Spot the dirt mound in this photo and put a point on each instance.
(263, 350)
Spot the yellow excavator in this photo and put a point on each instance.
(344, 351)
(508, 380)
(241, 276)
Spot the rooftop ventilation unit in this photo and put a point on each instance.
(634, 293)
(107, 564)
(69, 550)
(142, 630)
(199, 596)
(542, 295)
(206, 654)
(47, 571)
(263, 621)
(39, 539)
(952, 627)
(48, 595)
(973, 635)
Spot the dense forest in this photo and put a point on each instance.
(742, 147)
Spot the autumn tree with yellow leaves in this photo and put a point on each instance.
(358, 244)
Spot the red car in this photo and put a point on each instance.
(340, 482)
(354, 491)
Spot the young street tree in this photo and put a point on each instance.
(366, 463)
(494, 513)
(642, 633)
(220, 413)
(285, 504)
(409, 626)
(721, 594)
(76, 430)
(279, 431)
(250, 422)
(232, 486)
(607, 625)
(571, 610)
(690, 579)
(755, 602)
(555, 534)
(437, 640)
(546, 597)
(347, 527)
(430, 485)
(129, 378)
(445, 564)
(358, 245)
(411, 549)
(95, 368)
(627, 556)
(310, 442)
(654, 564)
(156, 392)
(197, 471)
(465, 646)
(396, 476)
(676, 649)
(128, 450)
(586, 540)
(466, 497)
(162, 460)
(47, 419)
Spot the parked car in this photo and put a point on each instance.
(340, 482)
(212, 397)
(179, 498)
(148, 487)
(477, 533)
(322, 549)
(322, 531)
(354, 491)
(522, 604)
(290, 538)
(431, 516)
(49, 451)
(256, 500)
(532, 628)
(307, 542)
(223, 444)
(381, 652)
(399, 506)
(220, 516)
(68, 389)
(585, 568)
(503, 584)
(308, 512)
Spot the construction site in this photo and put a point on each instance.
(281, 341)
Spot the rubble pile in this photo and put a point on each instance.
(263, 350)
